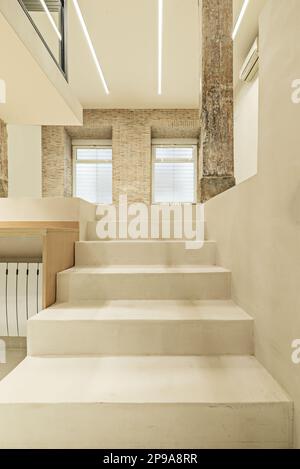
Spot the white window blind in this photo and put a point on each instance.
(93, 174)
(174, 174)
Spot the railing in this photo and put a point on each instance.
(48, 17)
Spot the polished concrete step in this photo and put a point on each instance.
(168, 253)
(92, 231)
(143, 402)
(141, 328)
(143, 283)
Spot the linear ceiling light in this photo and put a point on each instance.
(90, 44)
(50, 17)
(240, 19)
(160, 43)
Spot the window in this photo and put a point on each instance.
(174, 173)
(93, 173)
(49, 19)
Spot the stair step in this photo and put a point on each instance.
(143, 253)
(91, 231)
(143, 402)
(143, 283)
(141, 328)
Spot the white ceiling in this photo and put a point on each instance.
(124, 34)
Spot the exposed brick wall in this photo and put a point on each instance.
(56, 162)
(3, 160)
(68, 169)
(131, 132)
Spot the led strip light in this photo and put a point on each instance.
(90, 44)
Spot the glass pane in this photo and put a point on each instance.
(173, 153)
(47, 17)
(94, 182)
(174, 182)
(96, 154)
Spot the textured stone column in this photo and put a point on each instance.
(217, 98)
(3, 160)
(56, 162)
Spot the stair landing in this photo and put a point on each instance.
(143, 402)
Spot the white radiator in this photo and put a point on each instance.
(20, 296)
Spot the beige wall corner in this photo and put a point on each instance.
(257, 224)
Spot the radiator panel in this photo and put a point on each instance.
(20, 296)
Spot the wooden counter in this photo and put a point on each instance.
(57, 246)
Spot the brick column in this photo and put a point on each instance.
(3, 160)
(56, 162)
(217, 99)
(132, 160)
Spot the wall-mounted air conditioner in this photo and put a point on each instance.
(250, 67)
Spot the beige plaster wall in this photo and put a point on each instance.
(257, 223)
(24, 161)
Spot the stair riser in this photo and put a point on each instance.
(140, 337)
(143, 286)
(188, 426)
(139, 253)
(92, 232)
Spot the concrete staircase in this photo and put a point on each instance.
(144, 349)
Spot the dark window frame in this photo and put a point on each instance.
(63, 43)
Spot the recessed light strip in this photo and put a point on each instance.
(160, 43)
(240, 19)
(90, 44)
(50, 17)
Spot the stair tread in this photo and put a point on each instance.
(214, 380)
(141, 269)
(144, 310)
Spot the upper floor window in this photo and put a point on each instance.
(48, 17)
(174, 172)
(92, 176)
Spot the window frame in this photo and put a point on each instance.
(178, 143)
(86, 144)
(62, 63)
